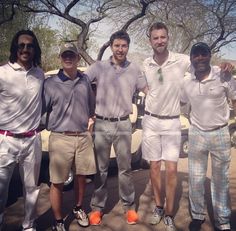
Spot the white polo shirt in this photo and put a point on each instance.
(209, 99)
(163, 98)
(20, 98)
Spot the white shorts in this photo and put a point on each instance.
(161, 139)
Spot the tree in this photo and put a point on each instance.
(189, 21)
(11, 20)
(85, 14)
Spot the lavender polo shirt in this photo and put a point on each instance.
(20, 97)
(115, 87)
(68, 103)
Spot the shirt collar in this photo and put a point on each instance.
(17, 66)
(124, 64)
(210, 77)
(64, 78)
(170, 59)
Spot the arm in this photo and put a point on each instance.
(234, 107)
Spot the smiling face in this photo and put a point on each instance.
(25, 50)
(69, 60)
(119, 48)
(159, 40)
(201, 61)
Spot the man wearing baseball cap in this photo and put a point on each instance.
(69, 103)
(207, 90)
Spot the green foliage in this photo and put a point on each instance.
(48, 40)
(8, 30)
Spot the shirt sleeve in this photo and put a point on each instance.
(92, 71)
(91, 99)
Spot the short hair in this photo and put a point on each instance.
(157, 26)
(14, 47)
(121, 34)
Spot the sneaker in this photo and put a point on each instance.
(58, 227)
(195, 225)
(81, 217)
(27, 229)
(95, 218)
(169, 222)
(156, 217)
(217, 229)
(131, 217)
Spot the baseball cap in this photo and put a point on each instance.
(69, 47)
(200, 46)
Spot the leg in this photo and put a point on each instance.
(197, 163)
(122, 147)
(61, 154)
(151, 151)
(7, 165)
(171, 184)
(79, 187)
(56, 197)
(29, 167)
(155, 175)
(102, 144)
(220, 160)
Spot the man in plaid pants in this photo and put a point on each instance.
(207, 89)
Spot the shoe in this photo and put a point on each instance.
(27, 229)
(95, 218)
(81, 217)
(131, 217)
(217, 229)
(156, 217)
(169, 222)
(58, 227)
(195, 225)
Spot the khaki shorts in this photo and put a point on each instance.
(70, 152)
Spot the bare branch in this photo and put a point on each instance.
(7, 18)
(145, 4)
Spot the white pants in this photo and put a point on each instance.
(26, 152)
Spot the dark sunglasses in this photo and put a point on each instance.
(28, 46)
(160, 75)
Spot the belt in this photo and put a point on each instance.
(161, 117)
(217, 128)
(70, 133)
(19, 135)
(112, 119)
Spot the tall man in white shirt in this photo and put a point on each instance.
(207, 90)
(161, 125)
(21, 82)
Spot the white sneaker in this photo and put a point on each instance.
(58, 227)
(156, 217)
(169, 222)
(81, 217)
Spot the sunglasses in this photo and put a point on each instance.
(159, 72)
(27, 46)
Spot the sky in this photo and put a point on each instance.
(229, 52)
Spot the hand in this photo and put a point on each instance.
(226, 70)
(226, 67)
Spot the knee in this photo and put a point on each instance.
(155, 166)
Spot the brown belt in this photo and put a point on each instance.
(70, 133)
(161, 117)
(19, 135)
